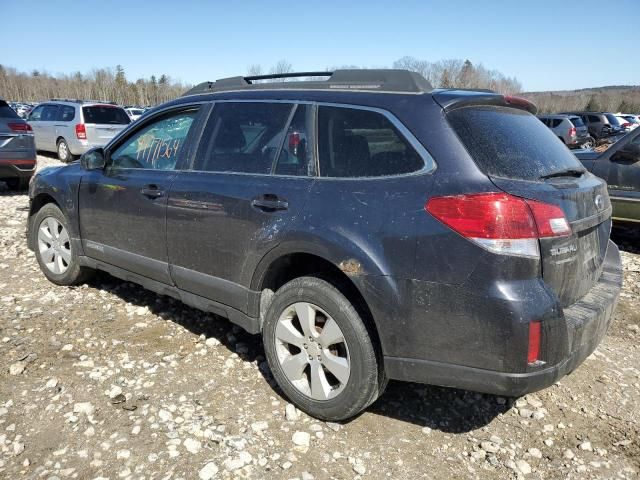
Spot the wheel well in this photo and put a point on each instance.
(58, 140)
(295, 265)
(40, 201)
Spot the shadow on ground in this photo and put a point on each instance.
(445, 409)
(627, 237)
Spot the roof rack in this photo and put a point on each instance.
(76, 100)
(384, 80)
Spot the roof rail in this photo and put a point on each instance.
(385, 80)
(76, 100)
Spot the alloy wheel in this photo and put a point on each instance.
(54, 245)
(312, 351)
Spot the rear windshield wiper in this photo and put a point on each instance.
(568, 172)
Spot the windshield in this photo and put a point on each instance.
(105, 114)
(511, 143)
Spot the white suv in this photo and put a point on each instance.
(71, 127)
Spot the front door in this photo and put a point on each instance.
(238, 202)
(123, 207)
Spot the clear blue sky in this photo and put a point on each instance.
(545, 44)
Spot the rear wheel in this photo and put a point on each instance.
(589, 143)
(54, 249)
(64, 154)
(320, 351)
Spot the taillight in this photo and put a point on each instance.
(81, 131)
(572, 132)
(626, 125)
(19, 127)
(535, 337)
(499, 222)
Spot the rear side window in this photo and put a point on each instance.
(244, 137)
(576, 121)
(556, 122)
(510, 143)
(66, 113)
(593, 119)
(362, 143)
(6, 111)
(105, 114)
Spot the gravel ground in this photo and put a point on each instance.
(107, 380)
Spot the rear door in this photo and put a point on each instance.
(523, 158)
(123, 207)
(248, 186)
(103, 122)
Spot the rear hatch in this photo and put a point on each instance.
(15, 134)
(581, 129)
(523, 158)
(103, 122)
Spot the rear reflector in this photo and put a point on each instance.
(81, 131)
(19, 127)
(533, 353)
(499, 222)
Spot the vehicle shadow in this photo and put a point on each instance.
(445, 409)
(627, 237)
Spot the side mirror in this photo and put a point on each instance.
(93, 159)
(630, 152)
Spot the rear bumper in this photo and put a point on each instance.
(18, 168)
(586, 322)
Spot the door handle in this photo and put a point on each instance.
(151, 191)
(269, 203)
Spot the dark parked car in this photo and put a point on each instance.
(619, 166)
(368, 226)
(17, 149)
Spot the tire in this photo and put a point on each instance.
(311, 372)
(64, 154)
(54, 249)
(17, 184)
(590, 143)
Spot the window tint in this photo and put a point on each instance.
(105, 114)
(593, 119)
(243, 137)
(362, 143)
(613, 120)
(49, 113)
(6, 111)
(556, 122)
(507, 142)
(66, 113)
(296, 157)
(156, 145)
(36, 114)
(576, 121)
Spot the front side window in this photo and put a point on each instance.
(362, 143)
(157, 145)
(243, 137)
(36, 114)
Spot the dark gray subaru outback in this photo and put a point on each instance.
(368, 226)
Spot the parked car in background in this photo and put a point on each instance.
(17, 149)
(71, 127)
(569, 129)
(619, 124)
(619, 166)
(598, 124)
(633, 119)
(134, 113)
(368, 226)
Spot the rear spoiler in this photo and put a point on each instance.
(451, 99)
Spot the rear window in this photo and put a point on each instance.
(6, 111)
(577, 121)
(105, 114)
(613, 120)
(511, 143)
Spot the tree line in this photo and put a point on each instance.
(603, 99)
(106, 84)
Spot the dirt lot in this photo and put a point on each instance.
(110, 381)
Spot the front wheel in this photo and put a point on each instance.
(54, 249)
(320, 351)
